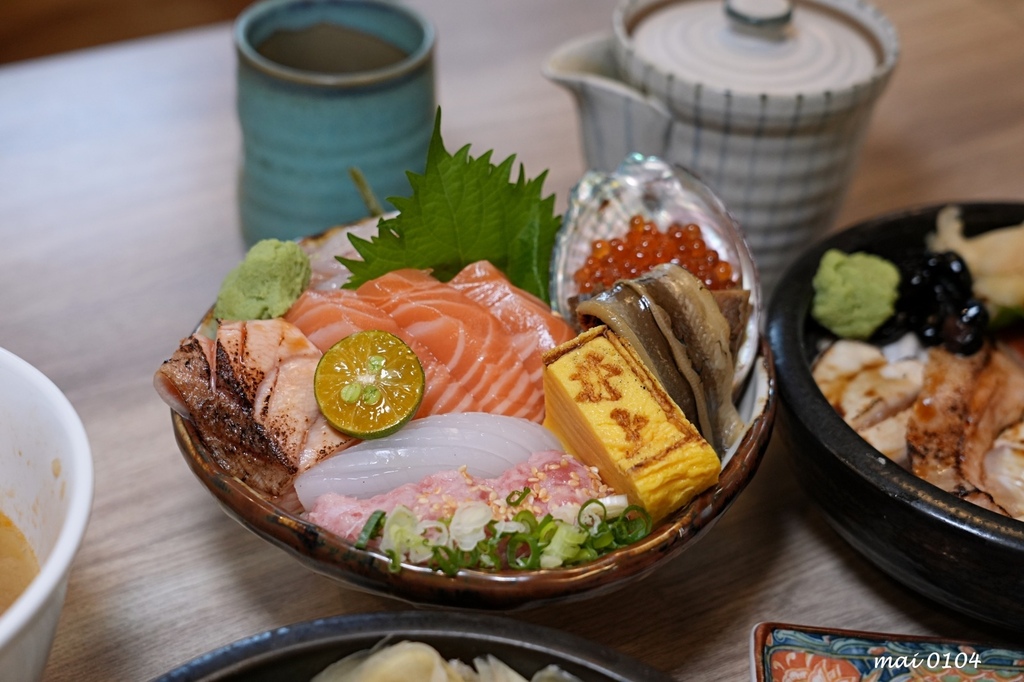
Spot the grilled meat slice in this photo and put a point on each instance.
(254, 404)
(239, 446)
(964, 405)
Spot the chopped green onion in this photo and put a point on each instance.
(586, 518)
(472, 538)
(584, 555)
(602, 539)
(547, 531)
(528, 561)
(468, 525)
(629, 529)
(517, 497)
(395, 565)
(370, 529)
(447, 559)
(527, 518)
(489, 556)
(563, 545)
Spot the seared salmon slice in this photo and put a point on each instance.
(964, 405)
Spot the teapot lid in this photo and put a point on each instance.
(751, 46)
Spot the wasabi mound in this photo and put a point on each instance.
(264, 285)
(854, 293)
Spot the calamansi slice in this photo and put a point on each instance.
(369, 384)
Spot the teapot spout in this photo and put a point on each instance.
(615, 119)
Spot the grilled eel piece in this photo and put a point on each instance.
(678, 329)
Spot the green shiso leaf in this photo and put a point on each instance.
(464, 209)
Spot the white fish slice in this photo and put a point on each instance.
(487, 444)
(500, 431)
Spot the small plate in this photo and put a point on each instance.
(298, 652)
(781, 652)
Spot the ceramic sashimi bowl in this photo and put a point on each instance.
(282, 524)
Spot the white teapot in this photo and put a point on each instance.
(767, 103)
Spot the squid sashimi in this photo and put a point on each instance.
(499, 432)
(556, 480)
(463, 335)
(326, 317)
(531, 322)
(486, 444)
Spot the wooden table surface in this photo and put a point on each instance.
(118, 220)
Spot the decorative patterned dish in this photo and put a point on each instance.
(782, 652)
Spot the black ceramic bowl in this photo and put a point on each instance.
(299, 652)
(964, 557)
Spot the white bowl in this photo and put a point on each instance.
(46, 488)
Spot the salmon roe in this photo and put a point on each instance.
(645, 246)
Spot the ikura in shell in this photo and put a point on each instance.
(643, 247)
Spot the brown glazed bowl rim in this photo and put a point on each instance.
(367, 570)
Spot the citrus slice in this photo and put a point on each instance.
(368, 384)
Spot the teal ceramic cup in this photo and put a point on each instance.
(325, 86)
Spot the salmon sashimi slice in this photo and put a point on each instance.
(186, 381)
(997, 403)
(878, 393)
(889, 437)
(1004, 470)
(534, 328)
(464, 335)
(840, 364)
(326, 317)
(519, 311)
(939, 413)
